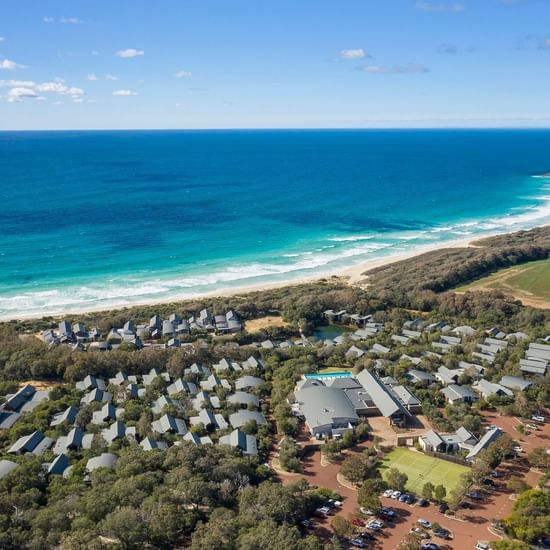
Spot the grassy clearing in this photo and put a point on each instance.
(254, 325)
(529, 282)
(421, 468)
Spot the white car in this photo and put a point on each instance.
(387, 493)
(396, 494)
(538, 418)
(518, 449)
(482, 546)
(366, 512)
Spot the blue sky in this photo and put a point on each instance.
(274, 63)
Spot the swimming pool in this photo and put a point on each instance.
(321, 375)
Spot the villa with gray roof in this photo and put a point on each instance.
(246, 443)
(458, 394)
(242, 417)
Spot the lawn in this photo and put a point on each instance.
(529, 282)
(421, 468)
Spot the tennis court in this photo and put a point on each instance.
(421, 468)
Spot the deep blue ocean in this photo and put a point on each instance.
(98, 219)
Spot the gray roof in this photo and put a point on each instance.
(27, 443)
(489, 388)
(243, 398)
(17, 400)
(68, 415)
(322, 406)
(515, 383)
(170, 424)
(181, 385)
(433, 438)
(194, 438)
(385, 402)
(246, 443)
(104, 460)
(149, 444)
(484, 442)
(455, 392)
(246, 382)
(6, 466)
(59, 465)
(420, 375)
(240, 418)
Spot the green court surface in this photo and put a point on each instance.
(421, 468)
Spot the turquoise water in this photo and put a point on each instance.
(320, 376)
(329, 332)
(100, 219)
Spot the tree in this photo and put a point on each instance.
(517, 485)
(356, 468)
(440, 493)
(367, 496)
(509, 545)
(410, 542)
(396, 479)
(289, 455)
(539, 458)
(331, 449)
(530, 517)
(127, 526)
(341, 526)
(428, 490)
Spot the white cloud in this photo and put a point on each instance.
(124, 93)
(183, 74)
(440, 7)
(403, 69)
(16, 83)
(94, 52)
(48, 19)
(358, 53)
(21, 89)
(1, 39)
(18, 94)
(92, 76)
(129, 52)
(111, 77)
(71, 20)
(10, 65)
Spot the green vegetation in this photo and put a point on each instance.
(530, 518)
(530, 282)
(421, 469)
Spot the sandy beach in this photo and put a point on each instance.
(352, 275)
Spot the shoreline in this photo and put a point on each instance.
(353, 275)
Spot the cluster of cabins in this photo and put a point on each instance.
(332, 405)
(170, 330)
(173, 423)
(461, 440)
(14, 405)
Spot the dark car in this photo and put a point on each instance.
(422, 502)
(467, 505)
(489, 482)
(366, 535)
(443, 507)
(474, 494)
(442, 533)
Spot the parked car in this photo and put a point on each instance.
(424, 522)
(443, 507)
(375, 524)
(442, 533)
(473, 494)
(358, 522)
(422, 502)
(366, 535)
(305, 523)
(495, 473)
(489, 482)
(323, 511)
(482, 546)
(358, 543)
(388, 511)
(538, 418)
(429, 546)
(366, 511)
(387, 493)
(517, 449)
(467, 505)
(396, 494)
